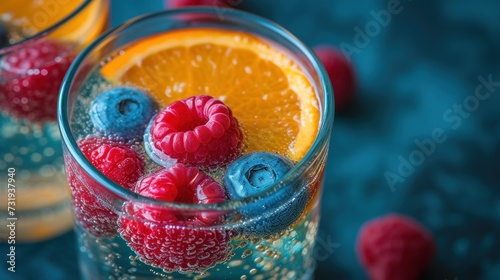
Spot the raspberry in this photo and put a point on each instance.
(117, 162)
(394, 247)
(199, 131)
(341, 74)
(184, 3)
(30, 80)
(176, 241)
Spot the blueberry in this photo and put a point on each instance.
(122, 112)
(4, 38)
(256, 172)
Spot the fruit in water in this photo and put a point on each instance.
(122, 112)
(30, 79)
(269, 94)
(255, 173)
(168, 239)
(341, 74)
(116, 161)
(394, 247)
(199, 131)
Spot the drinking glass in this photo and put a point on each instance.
(42, 39)
(102, 207)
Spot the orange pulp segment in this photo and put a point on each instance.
(272, 98)
(33, 16)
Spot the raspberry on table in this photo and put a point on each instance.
(341, 73)
(171, 240)
(30, 79)
(91, 201)
(199, 131)
(394, 247)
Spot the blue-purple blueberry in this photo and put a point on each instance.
(122, 112)
(253, 174)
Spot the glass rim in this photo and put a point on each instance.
(48, 30)
(322, 137)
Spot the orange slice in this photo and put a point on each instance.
(33, 16)
(271, 97)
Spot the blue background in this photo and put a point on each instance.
(411, 74)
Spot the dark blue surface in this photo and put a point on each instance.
(415, 72)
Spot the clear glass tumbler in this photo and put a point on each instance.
(126, 235)
(39, 40)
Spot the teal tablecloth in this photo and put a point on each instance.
(431, 68)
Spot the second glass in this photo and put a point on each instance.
(38, 42)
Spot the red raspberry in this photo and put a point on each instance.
(30, 80)
(199, 131)
(172, 240)
(341, 74)
(117, 162)
(184, 3)
(394, 247)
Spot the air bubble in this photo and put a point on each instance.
(235, 263)
(49, 151)
(278, 243)
(202, 275)
(8, 157)
(269, 266)
(36, 157)
(132, 270)
(246, 253)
